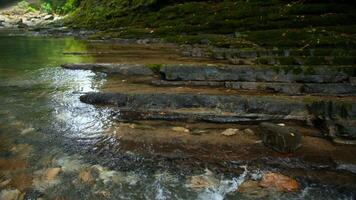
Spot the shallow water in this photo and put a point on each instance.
(43, 125)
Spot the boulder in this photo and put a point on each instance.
(280, 138)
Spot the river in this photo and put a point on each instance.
(44, 126)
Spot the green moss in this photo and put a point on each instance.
(155, 68)
(270, 23)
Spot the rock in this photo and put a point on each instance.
(27, 130)
(48, 17)
(132, 126)
(2, 18)
(245, 107)
(180, 129)
(279, 182)
(337, 128)
(252, 189)
(22, 25)
(52, 173)
(5, 183)
(10, 194)
(342, 141)
(280, 138)
(258, 73)
(86, 176)
(203, 181)
(230, 132)
(46, 178)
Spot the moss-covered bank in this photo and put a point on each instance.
(228, 23)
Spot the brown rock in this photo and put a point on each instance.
(52, 173)
(86, 176)
(279, 182)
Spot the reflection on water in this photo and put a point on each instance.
(55, 147)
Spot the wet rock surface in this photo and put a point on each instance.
(120, 145)
(280, 138)
(20, 19)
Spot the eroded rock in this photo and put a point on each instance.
(280, 138)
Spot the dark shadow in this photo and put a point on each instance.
(6, 3)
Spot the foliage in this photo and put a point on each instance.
(25, 5)
(59, 6)
(46, 7)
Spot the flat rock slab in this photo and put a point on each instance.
(258, 73)
(230, 108)
(242, 73)
(342, 89)
(241, 105)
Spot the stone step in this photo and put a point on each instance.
(258, 73)
(304, 60)
(339, 89)
(241, 73)
(324, 112)
(230, 53)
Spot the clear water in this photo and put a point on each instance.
(43, 125)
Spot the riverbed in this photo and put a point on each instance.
(52, 146)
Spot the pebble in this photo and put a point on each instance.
(230, 132)
(180, 129)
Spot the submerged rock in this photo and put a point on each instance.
(230, 132)
(46, 178)
(342, 141)
(10, 195)
(180, 129)
(52, 173)
(279, 182)
(203, 181)
(5, 183)
(252, 189)
(86, 176)
(280, 138)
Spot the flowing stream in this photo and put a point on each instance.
(43, 126)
